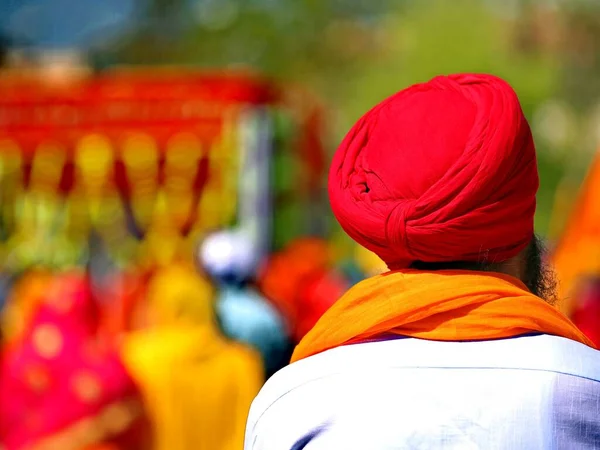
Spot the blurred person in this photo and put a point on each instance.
(122, 302)
(244, 314)
(301, 281)
(198, 385)
(577, 250)
(459, 345)
(586, 313)
(61, 386)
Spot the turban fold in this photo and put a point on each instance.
(441, 171)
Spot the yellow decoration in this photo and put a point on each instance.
(94, 161)
(217, 205)
(11, 188)
(46, 172)
(36, 210)
(184, 152)
(140, 157)
(75, 226)
(47, 168)
(162, 241)
(95, 173)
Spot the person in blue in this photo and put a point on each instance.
(229, 258)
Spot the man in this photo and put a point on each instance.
(231, 259)
(454, 347)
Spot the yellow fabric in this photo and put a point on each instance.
(198, 387)
(178, 294)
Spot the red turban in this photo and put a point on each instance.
(441, 171)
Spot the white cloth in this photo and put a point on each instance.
(529, 392)
(228, 252)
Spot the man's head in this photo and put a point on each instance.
(529, 266)
(441, 172)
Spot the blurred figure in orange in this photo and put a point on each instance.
(198, 385)
(61, 386)
(577, 251)
(301, 283)
(26, 293)
(123, 301)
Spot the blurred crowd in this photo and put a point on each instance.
(162, 252)
(165, 240)
(170, 358)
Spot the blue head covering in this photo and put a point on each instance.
(245, 315)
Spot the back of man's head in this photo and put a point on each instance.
(442, 175)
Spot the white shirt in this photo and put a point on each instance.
(529, 392)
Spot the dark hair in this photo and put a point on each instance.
(533, 262)
(454, 265)
(538, 277)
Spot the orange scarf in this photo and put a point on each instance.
(449, 305)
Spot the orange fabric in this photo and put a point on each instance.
(577, 252)
(442, 305)
(286, 271)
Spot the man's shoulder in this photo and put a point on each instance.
(558, 367)
(540, 352)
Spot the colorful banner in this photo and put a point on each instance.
(150, 161)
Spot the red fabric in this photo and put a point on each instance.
(301, 284)
(587, 312)
(42, 397)
(315, 296)
(286, 271)
(441, 171)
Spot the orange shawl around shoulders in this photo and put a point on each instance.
(447, 305)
